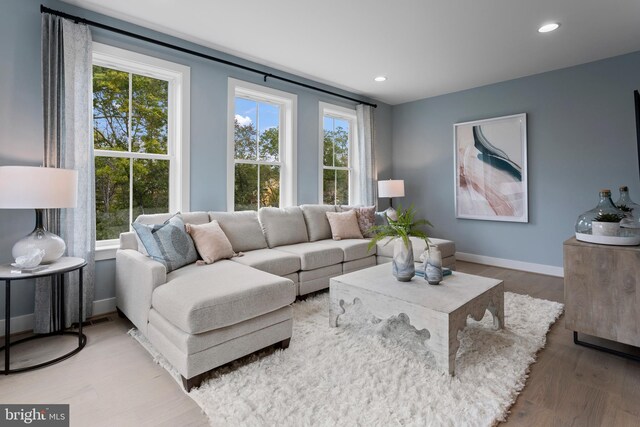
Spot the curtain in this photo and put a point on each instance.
(68, 143)
(365, 190)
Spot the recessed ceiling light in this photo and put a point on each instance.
(547, 28)
(380, 78)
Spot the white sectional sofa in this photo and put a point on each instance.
(203, 316)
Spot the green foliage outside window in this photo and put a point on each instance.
(130, 114)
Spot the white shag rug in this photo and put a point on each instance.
(369, 372)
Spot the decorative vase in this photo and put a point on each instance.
(605, 206)
(402, 265)
(604, 228)
(433, 266)
(629, 209)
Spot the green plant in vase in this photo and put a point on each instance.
(606, 224)
(608, 217)
(399, 231)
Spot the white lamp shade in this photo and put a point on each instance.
(391, 188)
(28, 187)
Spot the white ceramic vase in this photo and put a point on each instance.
(605, 228)
(402, 265)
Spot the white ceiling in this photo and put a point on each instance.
(424, 47)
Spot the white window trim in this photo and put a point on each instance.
(288, 139)
(326, 109)
(179, 78)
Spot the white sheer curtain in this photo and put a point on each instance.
(68, 143)
(366, 174)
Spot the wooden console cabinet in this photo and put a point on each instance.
(602, 290)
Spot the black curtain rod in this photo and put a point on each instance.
(266, 75)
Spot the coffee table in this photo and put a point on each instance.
(441, 309)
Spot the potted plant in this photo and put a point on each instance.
(398, 231)
(606, 224)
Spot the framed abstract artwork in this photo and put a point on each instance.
(490, 159)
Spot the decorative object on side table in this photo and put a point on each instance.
(391, 188)
(599, 232)
(39, 188)
(398, 231)
(629, 208)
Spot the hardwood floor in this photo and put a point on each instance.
(113, 381)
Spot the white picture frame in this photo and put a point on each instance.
(490, 169)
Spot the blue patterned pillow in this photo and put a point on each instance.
(167, 243)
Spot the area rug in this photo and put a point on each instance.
(370, 372)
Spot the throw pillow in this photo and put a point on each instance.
(167, 243)
(344, 225)
(366, 217)
(211, 242)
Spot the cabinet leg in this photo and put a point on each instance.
(605, 349)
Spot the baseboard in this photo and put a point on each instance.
(25, 323)
(18, 324)
(549, 270)
(102, 306)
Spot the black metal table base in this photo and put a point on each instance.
(82, 341)
(605, 349)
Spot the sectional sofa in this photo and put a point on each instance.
(204, 316)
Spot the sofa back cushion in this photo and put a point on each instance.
(168, 243)
(283, 226)
(242, 229)
(316, 220)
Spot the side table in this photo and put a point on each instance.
(57, 268)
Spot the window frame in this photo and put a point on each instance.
(287, 138)
(178, 77)
(343, 113)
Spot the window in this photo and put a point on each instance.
(261, 147)
(336, 143)
(141, 138)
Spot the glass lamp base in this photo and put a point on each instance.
(40, 238)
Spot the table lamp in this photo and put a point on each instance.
(391, 188)
(39, 188)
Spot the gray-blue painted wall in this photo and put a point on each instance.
(581, 138)
(21, 122)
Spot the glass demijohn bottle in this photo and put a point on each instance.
(605, 206)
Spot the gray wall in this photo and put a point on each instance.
(581, 137)
(21, 122)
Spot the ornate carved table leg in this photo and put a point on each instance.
(496, 308)
(336, 308)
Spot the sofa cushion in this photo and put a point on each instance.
(274, 262)
(316, 220)
(211, 242)
(352, 249)
(198, 299)
(344, 225)
(314, 254)
(283, 226)
(242, 229)
(447, 247)
(168, 243)
(367, 217)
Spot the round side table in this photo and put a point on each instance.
(58, 269)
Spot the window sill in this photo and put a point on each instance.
(106, 252)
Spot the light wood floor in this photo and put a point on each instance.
(114, 382)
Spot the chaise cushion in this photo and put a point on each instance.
(316, 220)
(198, 299)
(283, 226)
(314, 254)
(352, 249)
(274, 262)
(242, 229)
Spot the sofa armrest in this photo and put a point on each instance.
(136, 278)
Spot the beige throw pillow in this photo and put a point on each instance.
(211, 242)
(344, 225)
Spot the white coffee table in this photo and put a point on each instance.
(441, 309)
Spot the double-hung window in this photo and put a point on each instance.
(337, 136)
(261, 147)
(141, 138)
